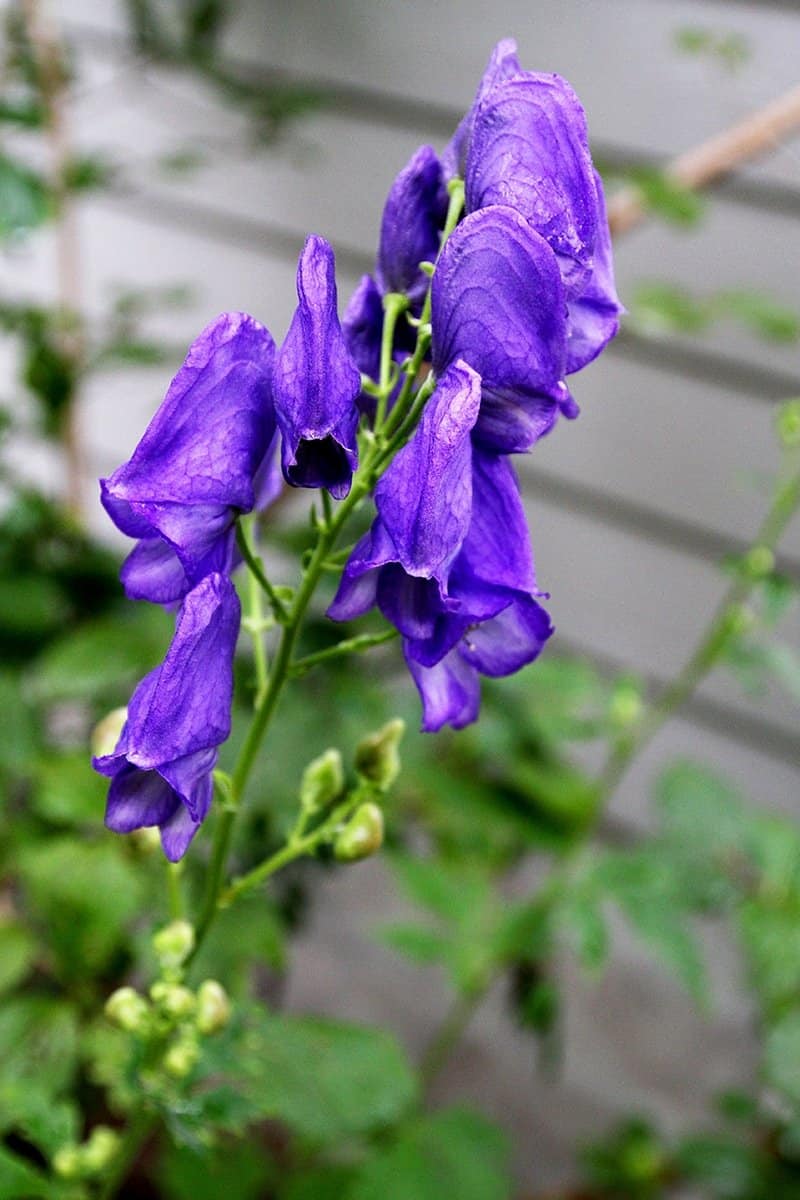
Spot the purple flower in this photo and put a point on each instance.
(199, 463)
(413, 218)
(498, 304)
(179, 714)
(593, 315)
(317, 382)
(503, 64)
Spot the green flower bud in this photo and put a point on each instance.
(759, 562)
(105, 734)
(127, 1009)
(98, 1151)
(147, 840)
(322, 782)
(789, 423)
(213, 1007)
(739, 620)
(68, 1162)
(626, 706)
(173, 999)
(173, 944)
(377, 759)
(181, 1058)
(361, 836)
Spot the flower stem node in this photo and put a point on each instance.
(130, 1011)
(106, 732)
(173, 944)
(174, 1000)
(322, 782)
(361, 836)
(789, 424)
(181, 1058)
(213, 1007)
(377, 760)
(759, 562)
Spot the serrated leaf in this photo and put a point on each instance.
(452, 1153)
(326, 1080)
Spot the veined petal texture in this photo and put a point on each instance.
(413, 217)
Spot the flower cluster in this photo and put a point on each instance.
(492, 308)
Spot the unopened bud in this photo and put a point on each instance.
(99, 1150)
(626, 705)
(213, 1007)
(739, 621)
(173, 944)
(759, 562)
(377, 759)
(789, 423)
(181, 1058)
(361, 836)
(147, 840)
(68, 1162)
(106, 732)
(173, 999)
(322, 782)
(127, 1009)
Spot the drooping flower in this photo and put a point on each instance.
(179, 714)
(202, 460)
(317, 382)
(593, 315)
(497, 302)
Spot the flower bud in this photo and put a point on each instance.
(789, 423)
(181, 1058)
(322, 782)
(106, 732)
(759, 562)
(173, 999)
(213, 1007)
(147, 839)
(361, 836)
(377, 759)
(127, 1009)
(173, 944)
(626, 705)
(98, 1151)
(739, 620)
(68, 1162)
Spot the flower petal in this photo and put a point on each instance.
(137, 799)
(317, 382)
(450, 692)
(413, 218)
(508, 641)
(593, 316)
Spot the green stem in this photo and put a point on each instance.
(394, 304)
(255, 616)
(256, 568)
(718, 635)
(174, 894)
(353, 645)
(449, 1034)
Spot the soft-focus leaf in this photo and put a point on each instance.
(419, 944)
(324, 1079)
(19, 735)
(327, 1183)
(17, 953)
(454, 1153)
(19, 1180)
(782, 1057)
(67, 791)
(765, 317)
(659, 308)
(24, 198)
(38, 1043)
(235, 1169)
(442, 889)
(585, 926)
(666, 197)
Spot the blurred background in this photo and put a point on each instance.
(202, 159)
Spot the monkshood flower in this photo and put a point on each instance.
(317, 382)
(497, 302)
(204, 458)
(413, 218)
(160, 770)
(524, 143)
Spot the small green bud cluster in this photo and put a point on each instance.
(173, 944)
(322, 782)
(627, 704)
(377, 760)
(89, 1159)
(361, 836)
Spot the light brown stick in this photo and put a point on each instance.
(757, 134)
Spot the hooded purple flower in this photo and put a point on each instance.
(424, 503)
(503, 64)
(593, 315)
(498, 304)
(203, 460)
(413, 218)
(317, 382)
(179, 714)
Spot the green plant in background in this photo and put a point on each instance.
(141, 1049)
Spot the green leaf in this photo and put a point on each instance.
(661, 308)
(38, 1044)
(445, 890)
(585, 925)
(763, 316)
(105, 657)
(17, 954)
(324, 1079)
(235, 1169)
(452, 1153)
(19, 735)
(327, 1183)
(24, 199)
(31, 606)
(782, 1057)
(20, 1181)
(666, 197)
(67, 791)
(416, 942)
